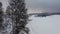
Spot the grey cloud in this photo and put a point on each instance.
(42, 3)
(49, 5)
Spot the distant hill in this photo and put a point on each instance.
(43, 14)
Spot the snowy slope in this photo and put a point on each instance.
(44, 25)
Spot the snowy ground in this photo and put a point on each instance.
(44, 25)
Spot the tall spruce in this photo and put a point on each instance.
(18, 13)
(1, 15)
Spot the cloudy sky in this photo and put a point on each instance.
(47, 5)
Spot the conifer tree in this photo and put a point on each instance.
(18, 13)
(1, 14)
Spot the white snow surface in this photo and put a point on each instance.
(44, 25)
(5, 4)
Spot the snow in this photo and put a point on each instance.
(5, 4)
(44, 25)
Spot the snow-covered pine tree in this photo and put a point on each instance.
(1, 15)
(18, 13)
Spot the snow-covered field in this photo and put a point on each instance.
(44, 25)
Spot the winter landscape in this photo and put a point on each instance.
(29, 16)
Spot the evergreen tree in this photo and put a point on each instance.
(1, 14)
(18, 13)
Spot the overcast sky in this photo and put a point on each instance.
(47, 5)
